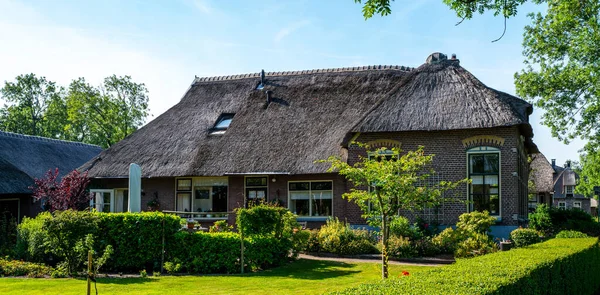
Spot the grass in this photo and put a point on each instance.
(301, 277)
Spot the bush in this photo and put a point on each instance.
(475, 222)
(522, 237)
(557, 266)
(220, 226)
(15, 268)
(137, 238)
(8, 234)
(266, 219)
(221, 252)
(476, 244)
(571, 234)
(540, 220)
(447, 241)
(401, 247)
(338, 238)
(312, 244)
(400, 227)
(32, 238)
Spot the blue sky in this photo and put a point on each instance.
(166, 43)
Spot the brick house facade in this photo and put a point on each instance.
(227, 142)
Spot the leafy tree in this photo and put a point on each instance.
(34, 107)
(69, 193)
(387, 183)
(589, 175)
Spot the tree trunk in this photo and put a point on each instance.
(384, 246)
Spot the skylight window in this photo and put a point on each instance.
(222, 124)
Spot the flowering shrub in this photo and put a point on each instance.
(17, 268)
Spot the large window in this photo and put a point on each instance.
(484, 172)
(311, 198)
(577, 205)
(110, 200)
(256, 187)
(562, 205)
(202, 194)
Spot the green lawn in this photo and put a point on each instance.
(301, 277)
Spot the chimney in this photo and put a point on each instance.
(262, 77)
(553, 163)
(453, 56)
(269, 94)
(568, 163)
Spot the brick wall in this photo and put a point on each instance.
(451, 161)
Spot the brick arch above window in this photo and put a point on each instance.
(388, 143)
(483, 140)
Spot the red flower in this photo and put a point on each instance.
(405, 273)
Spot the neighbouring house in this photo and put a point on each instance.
(234, 139)
(542, 175)
(565, 181)
(24, 158)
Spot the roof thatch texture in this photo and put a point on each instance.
(23, 158)
(311, 115)
(445, 96)
(541, 174)
(308, 118)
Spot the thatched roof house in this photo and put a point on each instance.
(229, 130)
(24, 158)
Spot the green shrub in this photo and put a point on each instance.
(571, 234)
(447, 241)
(401, 247)
(221, 252)
(266, 219)
(522, 237)
(557, 266)
(338, 238)
(32, 238)
(540, 220)
(15, 268)
(312, 244)
(591, 228)
(475, 222)
(8, 234)
(426, 247)
(476, 244)
(172, 267)
(67, 230)
(137, 238)
(400, 227)
(300, 240)
(220, 226)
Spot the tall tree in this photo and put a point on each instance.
(34, 107)
(130, 103)
(390, 181)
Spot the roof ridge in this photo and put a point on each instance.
(40, 138)
(302, 72)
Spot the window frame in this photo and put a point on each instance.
(192, 195)
(484, 150)
(112, 199)
(215, 130)
(579, 206)
(569, 189)
(564, 205)
(265, 187)
(310, 204)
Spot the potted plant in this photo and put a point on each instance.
(191, 223)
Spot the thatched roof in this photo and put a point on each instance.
(445, 96)
(24, 157)
(311, 115)
(541, 173)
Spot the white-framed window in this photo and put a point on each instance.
(562, 205)
(311, 198)
(102, 200)
(577, 205)
(483, 168)
(110, 200)
(256, 187)
(202, 194)
(569, 190)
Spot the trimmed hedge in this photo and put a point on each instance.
(16, 268)
(558, 266)
(136, 238)
(571, 234)
(524, 237)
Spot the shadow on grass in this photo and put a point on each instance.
(307, 270)
(122, 281)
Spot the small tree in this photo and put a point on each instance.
(388, 182)
(69, 193)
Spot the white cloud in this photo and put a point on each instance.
(284, 32)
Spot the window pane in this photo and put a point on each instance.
(299, 207)
(106, 208)
(224, 123)
(299, 186)
(219, 198)
(326, 185)
(299, 195)
(184, 184)
(477, 164)
(256, 181)
(106, 198)
(492, 163)
(321, 195)
(321, 207)
(494, 205)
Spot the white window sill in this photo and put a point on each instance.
(312, 218)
